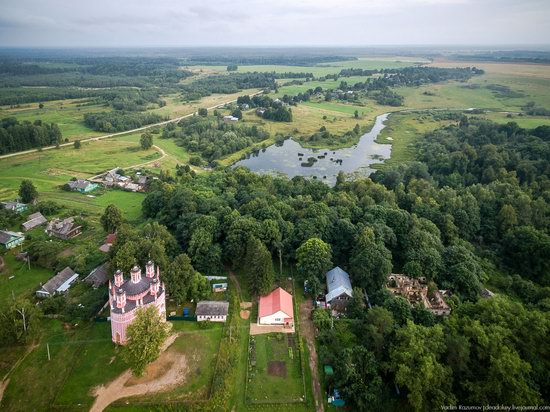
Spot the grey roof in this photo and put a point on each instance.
(51, 285)
(62, 227)
(212, 308)
(36, 219)
(79, 184)
(338, 283)
(12, 204)
(6, 235)
(99, 275)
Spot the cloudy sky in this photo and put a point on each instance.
(73, 23)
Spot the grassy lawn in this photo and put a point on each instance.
(98, 362)
(200, 348)
(264, 386)
(24, 281)
(36, 382)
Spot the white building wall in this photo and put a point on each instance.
(277, 318)
(216, 318)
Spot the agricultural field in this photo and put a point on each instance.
(274, 374)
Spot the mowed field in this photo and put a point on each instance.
(51, 169)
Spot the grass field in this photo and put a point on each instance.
(51, 169)
(266, 386)
(24, 281)
(68, 114)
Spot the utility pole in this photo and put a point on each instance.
(48, 348)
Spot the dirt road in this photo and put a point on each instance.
(168, 371)
(308, 332)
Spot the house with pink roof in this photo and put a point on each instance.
(276, 309)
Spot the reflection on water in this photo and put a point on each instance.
(291, 158)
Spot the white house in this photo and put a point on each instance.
(276, 309)
(212, 310)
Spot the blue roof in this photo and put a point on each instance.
(337, 283)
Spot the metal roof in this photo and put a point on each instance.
(338, 283)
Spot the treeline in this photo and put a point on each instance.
(212, 139)
(288, 60)
(16, 136)
(500, 175)
(119, 121)
(227, 84)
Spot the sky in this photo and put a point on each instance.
(173, 23)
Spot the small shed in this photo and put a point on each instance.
(9, 240)
(212, 310)
(219, 287)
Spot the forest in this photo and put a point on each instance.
(227, 84)
(119, 121)
(16, 136)
(423, 218)
(212, 138)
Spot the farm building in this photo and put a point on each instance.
(230, 119)
(212, 310)
(14, 206)
(99, 276)
(64, 228)
(34, 220)
(276, 309)
(339, 289)
(60, 283)
(82, 186)
(127, 297)
(9, 240)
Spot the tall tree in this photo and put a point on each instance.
(258, 266)
(145, 336)
(111, 218)
(313, 260)
(146, 141)
(415, 358)
(27, 191)
(370, 261)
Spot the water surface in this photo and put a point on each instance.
(289, 157)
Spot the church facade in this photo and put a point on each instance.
(128, 296)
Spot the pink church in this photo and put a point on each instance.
(126, 297)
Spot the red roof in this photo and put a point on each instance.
(278, 300)
(110, 239)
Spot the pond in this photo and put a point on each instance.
(292, 159)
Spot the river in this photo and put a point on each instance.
(290, 158)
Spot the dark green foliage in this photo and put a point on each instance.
(27, 191)
(111, 218)
(258, 267)
(146, 141)
(119, 121)
(16, 136)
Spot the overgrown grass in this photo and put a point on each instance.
(24, 281)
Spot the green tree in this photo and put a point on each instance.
(77, 144)
(313, 260)
(358, 378)
(179, 278)
(356, 114)
(258, 267)
(203, 112)
(145, 337)
(146, 141)
(322, 319)
(111, 218)
(27, 191)
(237, 113)
(415, 358)
(125, 257)
(370, 261)
(19, 322)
